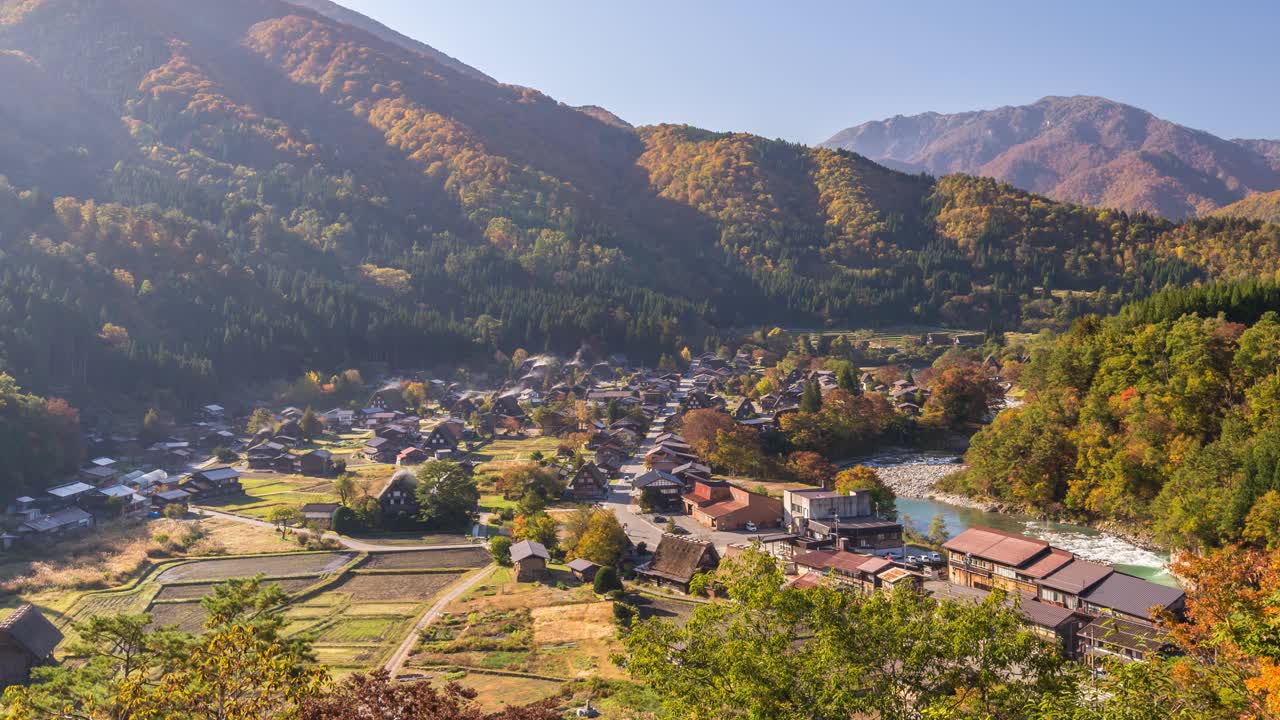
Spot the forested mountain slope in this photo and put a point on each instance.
(204, 193)
(1262, 206)
(1088, 150)
(1166, 415)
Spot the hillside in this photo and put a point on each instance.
(201, 194)
(1086, 150)
(1261, 206)
(334, 11)
(1162, 416)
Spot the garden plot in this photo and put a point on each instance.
(428, 559)
(394, 587)
(351, 630)
(196, 591)
(187, 616)
(271, 566)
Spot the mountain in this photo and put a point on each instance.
(1087, 150)
(334, 11)
(201, 195)
(1260, 206)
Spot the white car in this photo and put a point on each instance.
(751, 527)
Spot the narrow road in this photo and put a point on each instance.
(346, 542)
(396, 663)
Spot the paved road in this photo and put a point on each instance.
(346, 542)
(396, 663)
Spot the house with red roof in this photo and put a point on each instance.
(721, 506)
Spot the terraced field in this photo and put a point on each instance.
(355, 621)
(273, 566)
(427, 559)
(195, 591)
(390, 588)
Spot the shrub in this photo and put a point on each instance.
(344, 520)
(606, 580)
(623, 614)
(500, 549)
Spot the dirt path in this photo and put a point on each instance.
(396, 663)
(346, 542)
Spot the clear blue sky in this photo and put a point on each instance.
(803, 70)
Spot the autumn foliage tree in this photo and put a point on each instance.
(861, 477)
(376, 696)
(811, 468)
(700, 427)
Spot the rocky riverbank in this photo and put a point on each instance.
(920, 480)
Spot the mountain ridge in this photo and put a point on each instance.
(1084, 149)
(247, 190)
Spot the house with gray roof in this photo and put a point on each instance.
(27, 640)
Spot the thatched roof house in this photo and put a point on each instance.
(677, 560)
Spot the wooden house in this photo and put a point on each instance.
(317, 462)
(27, 640)
(530, 560)
(398, 496)
(588, 483)
(583, 569)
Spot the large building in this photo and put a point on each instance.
(821, 518)
(1097, 612)
(722, 506)
(988, 559)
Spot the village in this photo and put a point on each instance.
(610, 435)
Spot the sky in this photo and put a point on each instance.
(804, 70)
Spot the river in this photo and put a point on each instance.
(1085, 542)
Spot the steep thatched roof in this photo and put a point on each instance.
(679, 559)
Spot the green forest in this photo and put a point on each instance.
(208, 193)
(1165, 416)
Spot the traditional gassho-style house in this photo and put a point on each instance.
(530, 560)
(677, 560)
(398, 497)
(662, 489)
(27, 640)
(588, 483)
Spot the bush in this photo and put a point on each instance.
(642, 548)
(344, 520)
(225, 455)
(606, 580)
(500, 549)
(623, 614)
(173, 511)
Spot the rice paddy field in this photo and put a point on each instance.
(355, 607)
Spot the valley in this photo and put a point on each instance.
(342, 380)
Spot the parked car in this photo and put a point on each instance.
(659, 518)
(935, 557)
(751, 527)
